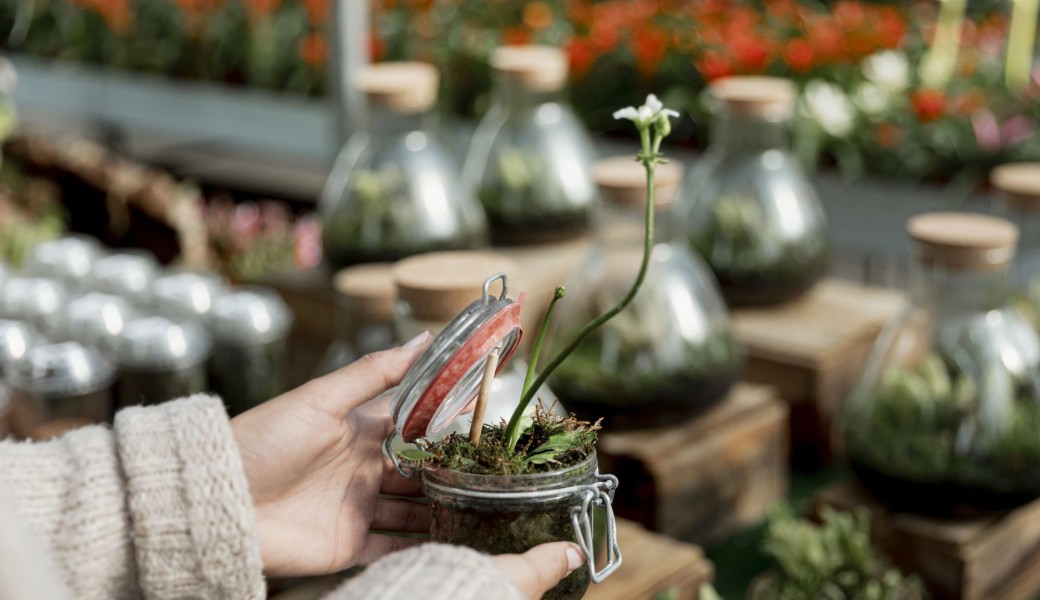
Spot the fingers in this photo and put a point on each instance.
(540, 568)
(392, 482)
(345, 389)
(378, 545)
(401, 516)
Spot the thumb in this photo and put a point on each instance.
(540, 568)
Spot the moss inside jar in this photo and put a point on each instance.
(160, 360)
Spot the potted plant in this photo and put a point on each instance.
(510, 486)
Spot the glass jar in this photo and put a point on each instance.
(1018, 200)
(250, 329)
(34, 300)
(394, 190)
(748, 208)
(364, 314)
(160, 360)
(129, 274)
(186, 295)
(68, 259)
(671, 352)
(16, 339)
(530, 157)
(94, 319)
(947, 411)
(59, 387)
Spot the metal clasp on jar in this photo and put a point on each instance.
(601, 494)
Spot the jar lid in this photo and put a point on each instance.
(66, 369)
(95, 319)
(158, 343)
(16, 340)
(966, 241)
(771, 98)
(367, 291)
(445, 380)
(251, 315)
(37, 300)
(1020, 181)
(622, 182)
(437, 285)
(537, 68)
(403, 87)
(187, 294)
(129, 274)
(67, 259)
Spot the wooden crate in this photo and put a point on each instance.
(708, 477)
(992, 557)
(812, 350)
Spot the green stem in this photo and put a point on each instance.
(649, 160)
(536, 350)
(1021, 39)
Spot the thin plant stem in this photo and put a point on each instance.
(537, 349)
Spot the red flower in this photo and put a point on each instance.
(516, 35)
(929, 105)
(849, 14)
(713, 65)
(580, 54)
(752, 53)
(888, 135)
(649, 46)
(259, 10)
(604, 36)
(313, 49)
(317, 11)
(799, 55)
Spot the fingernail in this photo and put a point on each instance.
(417, 341)
(574, 558)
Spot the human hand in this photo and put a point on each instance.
(315, 465)
(539, 569)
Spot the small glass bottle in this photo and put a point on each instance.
(94, 319)
(748, 208)
(186, 295)
(68, 259)
(364, 317)
(250, 329)
(671, 352)
(160, 360)
(35, 300)
(129, 273)
(1018, 200)
(394, 191)
(530, 157)
(947, 411)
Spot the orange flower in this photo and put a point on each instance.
(516, 35)
(313, 49)
(928, 105)
(116, 14)
(317, 11)
(799, 55)
(888, 135)
(849, 15)
(713, 65)
(260, 10)
(752, 53)
(537, 15)
(376, 47)
(581, 55)
(649, 46)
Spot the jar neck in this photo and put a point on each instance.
(743, 134)
(384, 124)
(947, 290)
(1026, 215)
(518, 99)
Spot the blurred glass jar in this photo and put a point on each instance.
(1018, 200)
(432, 289)
(16, 340)
(250, 329)
(60, 387)
(948, 409)
(128, 273)
(671, 352)
(34, 300)
(530, 157)
(186, 295)
(94, 319)
(68, 259)
(748, 208)
(160, 360)
(364, 317)
(394, 191)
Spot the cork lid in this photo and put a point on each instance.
(367, 291)
(1020, 181)
(538, 68)
(966, 241)
(622, 182)
(770, 98)
(403, 87)
(439, 285)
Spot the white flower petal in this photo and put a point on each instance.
(670, 113)
(646, 114)
(629, 112)
(653, 104)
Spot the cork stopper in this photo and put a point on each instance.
(403, 87)
(771, 98)
(367, 291)
(963, 241)
(537, 68)
(1020, 182)
(437, 286)
(622, 182)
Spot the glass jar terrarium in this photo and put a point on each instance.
(129, 273)
(94, 319)
(748, 208)
(529, 159)
(68, 259)
(948, 409)
(186, 295)
(59, 387)
(496, 513)
(1018, 187)
(364, 314)
(160, 360)
(671, 352)
(250, 329)
(37, 301)
(16, 340)
(394, 191)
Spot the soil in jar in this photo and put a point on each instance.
(245, 375)
(148, 386)
(527, 217)
(33, 415)
(758, 289)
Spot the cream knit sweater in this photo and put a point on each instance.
(158, 507)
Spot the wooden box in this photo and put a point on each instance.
(812, 350)
(993, 557)
(708, 477)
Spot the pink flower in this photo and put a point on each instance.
(307, 251)
(992, 136)
(246, 222)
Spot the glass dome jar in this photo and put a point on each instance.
(16, 340)
(129, 273)
(364, 316)
(186, 295)
(68, 259)
(671, 352)
(34, 300)
(530, 158)
(1018, 200)
(94, 319)
(947, 411)
(394, 191)
(160, 360)
(748, 208)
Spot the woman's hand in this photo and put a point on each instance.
(539, 569)
(315, 465)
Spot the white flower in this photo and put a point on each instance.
(646, 114)
(889, 69)
(872, 99)
(829, 107)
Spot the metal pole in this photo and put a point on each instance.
(349, 43)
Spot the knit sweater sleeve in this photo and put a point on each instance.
(431, 572)
(156, 507)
